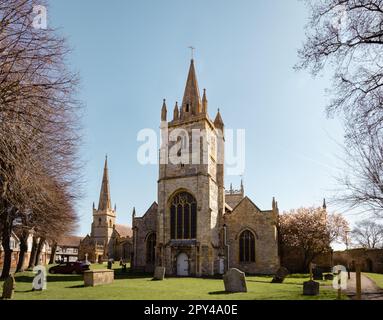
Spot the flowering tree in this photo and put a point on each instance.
(312, 230)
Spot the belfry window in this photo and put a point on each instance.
(187, 107)
(151, 248)
(99, 221)
(246, 247)
(183, 216)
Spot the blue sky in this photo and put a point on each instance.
(132, 54)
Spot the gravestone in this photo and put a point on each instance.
(235, 281)
(317, 274)
(310, 288)
(99, 260)
(110, 264)
(280, 275)
(8, 288)
(329, 276)
(159, 273)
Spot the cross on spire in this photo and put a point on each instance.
(192, 51)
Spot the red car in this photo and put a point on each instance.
(69, 268)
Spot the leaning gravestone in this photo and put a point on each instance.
(310, 288)
(8, 288)
(235, 281)
(280, 275)
(159, 273)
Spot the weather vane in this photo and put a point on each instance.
(192, 51)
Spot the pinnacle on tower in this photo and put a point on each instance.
(176, 112)
(324, 204)
(191, 103)
(164, 111)
(218, 122)
(204, 102)
(105, 200)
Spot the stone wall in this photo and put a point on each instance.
(262, 224)
(292, 259)
(142, 228)
(371, 260)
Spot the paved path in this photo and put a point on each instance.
(370, 291)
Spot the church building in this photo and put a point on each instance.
(107, 239)
(197, 228)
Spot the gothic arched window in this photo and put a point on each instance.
(151, 248)
(183, 216)
(247, 247)
(99, 221)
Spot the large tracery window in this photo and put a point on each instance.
(246, 247)
(183, 216)
(151, 248)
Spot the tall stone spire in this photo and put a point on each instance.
(191, 103)
(105, 200)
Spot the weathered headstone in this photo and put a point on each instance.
(329, 276)
(280, 275)
(159, 273)
(235, 281)
(99, 260)
(317, 274)
(110, 264)
(9, 288)
(310, 288)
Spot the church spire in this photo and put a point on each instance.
(191, 103)
(105, 200)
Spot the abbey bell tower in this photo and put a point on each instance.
(190, 186)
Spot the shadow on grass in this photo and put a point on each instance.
(62, 278)
(220, 293)
(76, 287)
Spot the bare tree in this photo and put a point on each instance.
(368, 234)
(39, 126)
(347, 35)
(362, 180)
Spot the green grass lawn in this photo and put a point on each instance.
(141, 287)
(377, 277)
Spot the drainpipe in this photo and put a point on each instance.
(226, 246)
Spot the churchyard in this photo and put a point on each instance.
(128, 286)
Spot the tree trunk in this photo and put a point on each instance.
(6, 234)
(32, 258)
(23, 251)
(38, 251)
(52, 258)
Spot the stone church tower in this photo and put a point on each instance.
(197, 228)
(104, 217)
(190, 186)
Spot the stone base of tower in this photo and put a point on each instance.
(187, 258)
